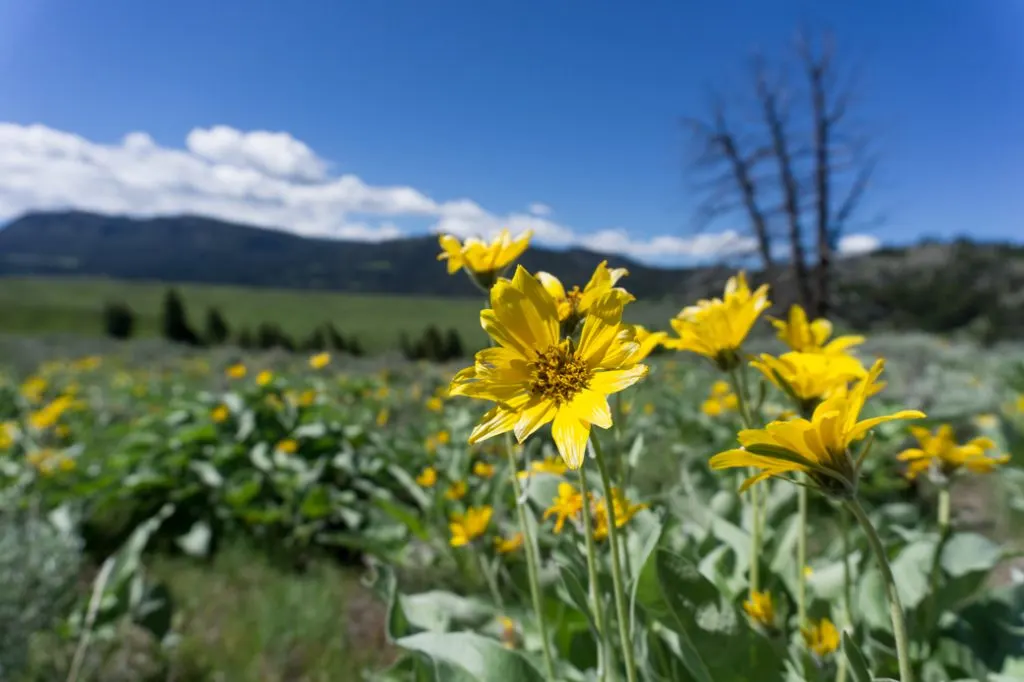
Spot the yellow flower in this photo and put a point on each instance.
(483, 469)
(1019, 404)
(986, 422)
(482, 258)
(941, 450)
(809, 377)
(382, 417)
(574, 304)
(264, 377)
(288, 445)
(456, 491)
(549, 465)
(469, 526)
(568, 504)
(33, 389)
(320, 360)
(760, 608)
(624, 511)
(822, 638)
(648, 408)
(722, 400)
(47, 461)
(810, 337)
(8, 430)
(236, 371)
(646, 340)
(536, 377)
(435, 404)
(716, 328)
(819, 446)
(86, 364)
(427, 477)
(220, 413)
(443, 437)
(808, 571)
(46, 417)
(508, 632)
(509, 544)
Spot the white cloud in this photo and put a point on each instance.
(271, 179)
(857, 244)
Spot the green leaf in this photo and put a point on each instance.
(411, 486)
(859, 669)
(485, 659)
(404, 515)
(207, 473)
(437, 610)
(710, 629)
(317, 503)
(969, 552)
(197, 541)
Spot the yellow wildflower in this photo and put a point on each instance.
(320, 360)
(33, 389)
(483, 469)
(443, 437)
(427, 477)
(456, 491)
(482, 259)
(382, 417)
(509, 637)
(648, 408)
(548, 465)
(811, 337)
(818, 446)
(288, 445)
(822, 638)
(435, 404)
(716, 328)
(86, 364)
(722, 400)
(1019, 404)
(809, 377)
(760, 608)
(220, 413)
(536, 377)
(47, 461)
(624, 511)
(469, 526)
(236, 371)
(940, 450)
(986, 422)
(47, 417)
(509, 544)
(8, 430)
(568, 504)
(264, 377)
(575, 304)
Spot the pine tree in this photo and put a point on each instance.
(175, 320)
(433, 344)
(453, 346)
(245, 339)
(217, 331)
(118, 320)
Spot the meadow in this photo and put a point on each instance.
(178, 514)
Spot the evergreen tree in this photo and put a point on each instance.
(217, 331)
(406, 346)
(453, 345)
(354, 347)
(175, 320)
(335, 338)
(245, 339)
(118, 320)
(433, 344)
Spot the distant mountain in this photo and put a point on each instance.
(932, 286)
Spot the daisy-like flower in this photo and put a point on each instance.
(456, 491)
(288, 446)
(264, 377)
(809, 377)
(484, 261)
(822, 638)
(624, 511)
(319, 361)
(427, 478)
(721, 400)
(220, 414)
(567, 505)
(537, 377)
(803, 336)
(548, 465)
(716, 328)
(646, 340)
(760, 608)
(939, 450)
(574, 304)
(509, 544)
(819, 446)
(483, 469)
(465, 528)
(236, 371)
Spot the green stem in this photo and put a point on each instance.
(944, 509)
(489, 578)
(844, 530)
(801, 554)
(755, 496)
(899, 627)
(532, 562)
(595, 591)
(931, 624)
(621, 611)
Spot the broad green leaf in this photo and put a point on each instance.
(859, 668)
(969, 552)
(485, 659)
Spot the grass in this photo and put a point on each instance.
(54, 305)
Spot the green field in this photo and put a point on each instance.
(54, 305)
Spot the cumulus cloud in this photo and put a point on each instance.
(271, 179)
(857, 244)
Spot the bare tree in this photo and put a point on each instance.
(797, 161)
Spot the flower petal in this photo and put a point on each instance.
(570, 436)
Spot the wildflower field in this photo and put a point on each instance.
(584, 500)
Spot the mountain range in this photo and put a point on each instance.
(931, 286)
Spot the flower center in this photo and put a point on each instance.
(558, 375)
(573, 297)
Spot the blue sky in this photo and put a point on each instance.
(571, 104)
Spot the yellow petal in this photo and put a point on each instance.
(615, 380)
(498, 420)
(570, 436)
(591, 407)
(536, 414)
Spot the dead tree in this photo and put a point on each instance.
(795, 162)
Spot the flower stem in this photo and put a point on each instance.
(899, 627)
(532, 561)
(943, 509)
(595, 591)
(801, 554)
(618, 583)
(755, 496)
(844, 530)
(488, 575)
